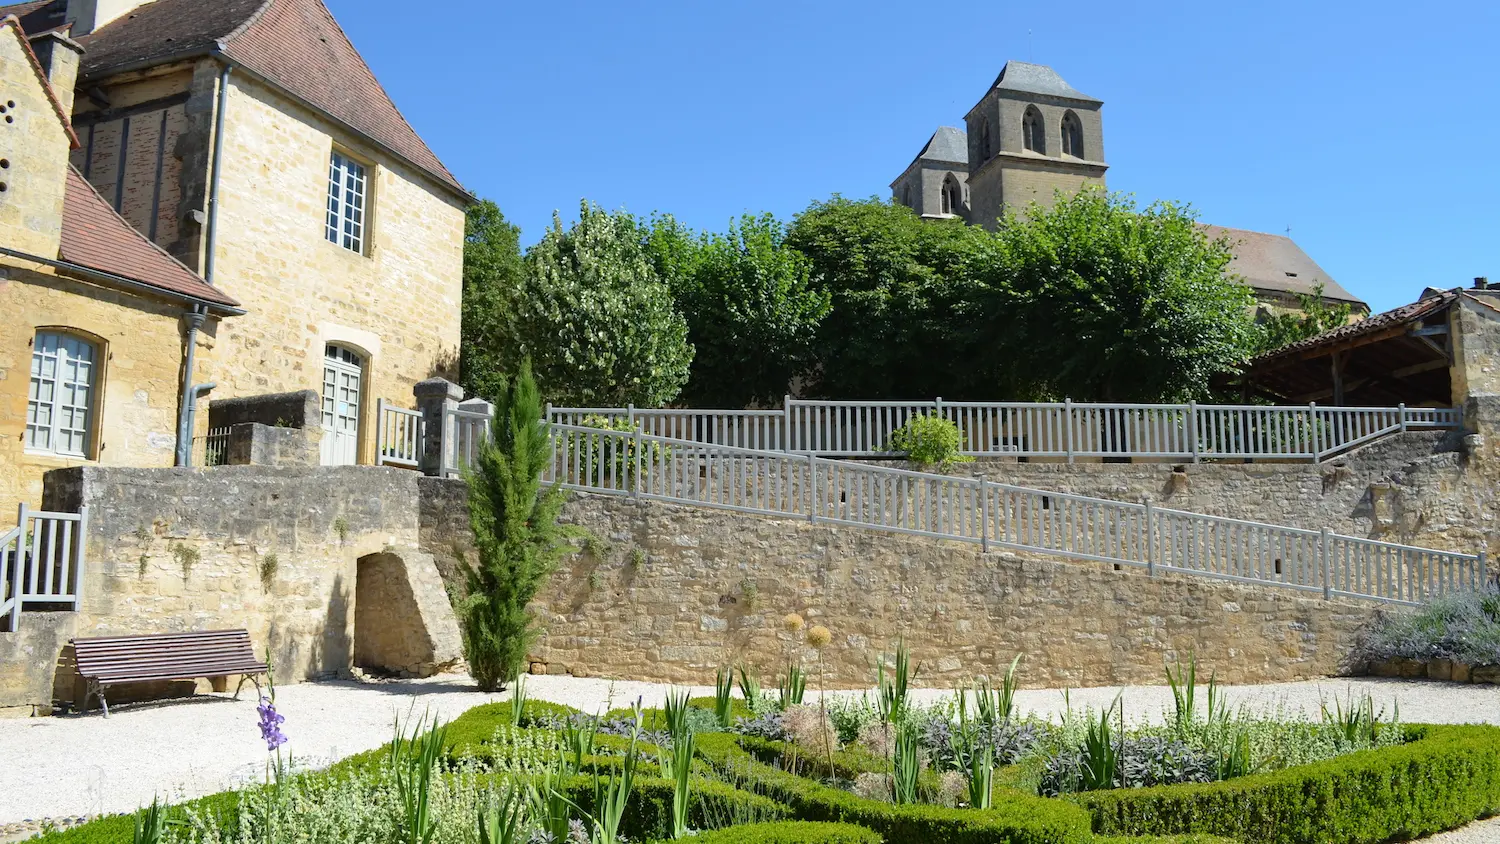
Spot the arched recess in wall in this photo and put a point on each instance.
(1072, 135)
(984, 141)
(1034, 131)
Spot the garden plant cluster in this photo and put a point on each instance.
(756, 766)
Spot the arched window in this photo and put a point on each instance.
(1072, 135)
(63, 395)
(953, 195)
(1033, 131)
(984, 141)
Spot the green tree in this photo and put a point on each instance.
(517, 539)
(901, 292)
(1098, 300)
(752, 313)
(595, 317)
(1314, 317)
(493, 277)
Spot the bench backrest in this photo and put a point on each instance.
(203, 654)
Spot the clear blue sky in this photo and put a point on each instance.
(1368, 128)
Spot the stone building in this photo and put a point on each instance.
(248, 143)
(1033, 135)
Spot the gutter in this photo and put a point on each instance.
(213, 179)
(190, 391)
(126, 282)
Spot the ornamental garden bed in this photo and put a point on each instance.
(1454, 638)
(750, 767)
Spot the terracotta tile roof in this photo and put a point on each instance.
(1375, 324)
(94, 236)
(1275, 262)
(12, 22)
(295, 45)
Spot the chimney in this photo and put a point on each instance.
(59, 57)
(89, 15)
(1481, 282)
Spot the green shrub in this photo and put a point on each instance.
(929, 441)
(1443, 777)
(791, 832)
(120, 829)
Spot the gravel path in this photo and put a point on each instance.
(70, 766)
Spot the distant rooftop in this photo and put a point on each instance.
(1029, 78)
(947, 144)
(1276, 263)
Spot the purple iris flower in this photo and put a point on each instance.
(270, 724)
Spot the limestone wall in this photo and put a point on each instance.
(136, 381)
(675, 592)
(397, 303)
(275, 550)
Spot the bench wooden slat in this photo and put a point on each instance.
(108, 660)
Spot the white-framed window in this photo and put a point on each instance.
(60, 404)
(346, 202)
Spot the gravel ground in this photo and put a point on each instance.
(87, 765)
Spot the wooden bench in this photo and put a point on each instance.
(112, 660)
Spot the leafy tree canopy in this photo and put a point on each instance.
(1315, 317)
(752, 312)
(1099, 300)
(492, 279)
(595, 317)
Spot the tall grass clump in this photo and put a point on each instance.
(516, 535)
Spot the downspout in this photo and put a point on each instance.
(194, 318)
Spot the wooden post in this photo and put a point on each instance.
(786, 423)
(1402, 408)
(1313, 429)
(79, 557)
(635, 472)
(1484, 570)
(16, 570)
(1338, 379)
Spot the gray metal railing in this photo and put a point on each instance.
(399, 435)
(41, 561)
(1058, 430)
(636, 464)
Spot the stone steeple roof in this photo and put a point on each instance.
(1028, 78)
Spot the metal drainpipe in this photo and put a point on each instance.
(213, 179)
(195, 317)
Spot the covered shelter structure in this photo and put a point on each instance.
(1402, 356)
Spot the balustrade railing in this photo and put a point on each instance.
(400, 435)
(633, 463)
(1056, 430)
(41, 561)
(465, 430)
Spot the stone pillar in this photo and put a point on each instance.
(435, 397)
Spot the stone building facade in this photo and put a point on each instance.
(93, 341)
(250, 142)
(1031, 137)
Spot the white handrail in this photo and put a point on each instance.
(42, 560)
(1002, 515)
(1058, 430)
(400, 435)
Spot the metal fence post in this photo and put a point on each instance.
(1327, 564)
(630, 414)
(786, 423)
(1068, 426)
(17, 566)
(984, 517)
(812, 485)
(1484, 569)
(635, 472)
(79, 557)
(938, 406)
(1193, 429)
(1150, 540)
(1312, 434)
(1402, 408)
(380, 432)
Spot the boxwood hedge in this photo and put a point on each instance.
(790, 832)
(1444, 776)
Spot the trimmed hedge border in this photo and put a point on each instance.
(1442, 778)
(790, 832)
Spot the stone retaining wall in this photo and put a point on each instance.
(671, 593)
